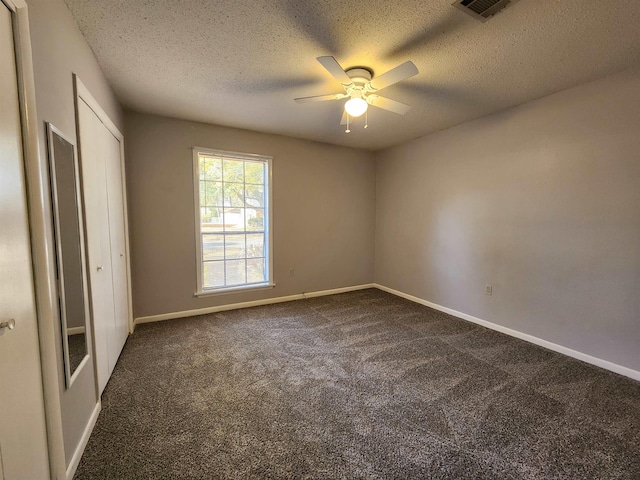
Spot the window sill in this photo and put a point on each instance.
(239, 289)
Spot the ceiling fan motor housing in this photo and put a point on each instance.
(359, 75)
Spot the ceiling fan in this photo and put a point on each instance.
(361, 88)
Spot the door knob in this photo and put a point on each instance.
(10, 324)
(99, 268)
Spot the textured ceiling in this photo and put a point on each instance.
(241, 63)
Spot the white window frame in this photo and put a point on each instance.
(205, 292)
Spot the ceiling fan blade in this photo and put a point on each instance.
(388, 104)
(334, 68)
(321, 98)
(344, 118)
(395, 75)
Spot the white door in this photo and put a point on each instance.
(104, 221)
(23, 442)
(118, 242)
(98, 242)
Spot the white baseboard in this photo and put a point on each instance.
(77, 455)
(254, 303)
(75, 330)
(598, 362)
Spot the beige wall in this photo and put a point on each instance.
(58, 51)
(323, 212)
(542, 201)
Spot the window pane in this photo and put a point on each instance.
(212, 247)
(235, 246)
(213, 273)
(255, 219)
(203, 194)
(204, 163)
(254, 195)
(236, 272)
(234, 219)
(213, 191)
(255, 245)
(210, 168)
(233, 171)
(255, 270)
(210, 220)
(234, 195)
(254, 172)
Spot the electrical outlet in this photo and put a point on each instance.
(292, 272)
(488, 289)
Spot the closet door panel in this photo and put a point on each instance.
(98, 238)
(115, 195)
(103, 189)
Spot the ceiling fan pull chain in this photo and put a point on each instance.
(366, 119)
(347, 130)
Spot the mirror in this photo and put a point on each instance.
(70, 257)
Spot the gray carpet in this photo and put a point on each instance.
(358, 385)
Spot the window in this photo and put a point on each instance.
(233, 218)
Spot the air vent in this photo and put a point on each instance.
(482, 9)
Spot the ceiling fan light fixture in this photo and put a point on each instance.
(356, 106)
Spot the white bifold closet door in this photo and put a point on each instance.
(103, 193)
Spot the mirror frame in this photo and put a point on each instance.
(69, 375)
